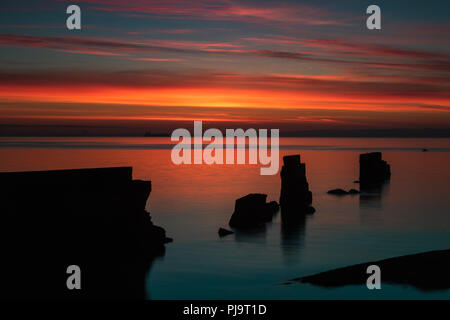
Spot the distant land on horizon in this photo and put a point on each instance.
(86, 131)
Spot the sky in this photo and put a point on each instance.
(138, 66)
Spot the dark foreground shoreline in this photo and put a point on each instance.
(94, 219)
(426, 271)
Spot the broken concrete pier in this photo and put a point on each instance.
(295, 197)
(373, 171)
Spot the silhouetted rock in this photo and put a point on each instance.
(424, 271)
(224, 232)
(341, 192)
(337, 192)
(273, 207)
(295, 197)
(373, 170)
(310, 210)
(92, 218)
(252, 210)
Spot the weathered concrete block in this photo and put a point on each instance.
(295, 197)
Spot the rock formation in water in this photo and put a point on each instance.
(425, 271)
(373, 171)
(92, 218)
(295, 198)
(224, 232)
(337, 192)
(341, 192)
(252, 211)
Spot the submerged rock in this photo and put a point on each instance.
(252, 211)
(273, 207)
(224, 232)
(373, 170)
(337, 192)
(310, 210)
(342, 192)
(168, 240)
(295, 197)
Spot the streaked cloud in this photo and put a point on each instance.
(245, 11)
(285, 62)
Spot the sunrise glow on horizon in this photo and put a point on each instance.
(296, 65)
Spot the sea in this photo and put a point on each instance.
(410, 214)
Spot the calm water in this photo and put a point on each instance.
(412, 214)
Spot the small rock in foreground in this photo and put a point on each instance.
(224, 232)
(310, 210)
(341, 192)
(337, 192)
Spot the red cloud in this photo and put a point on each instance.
(222, 10)
(119, 47)
(310, 86)
(345, 47)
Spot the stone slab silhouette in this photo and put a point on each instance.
(93, 218)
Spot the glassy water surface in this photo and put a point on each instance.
(411, 214)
